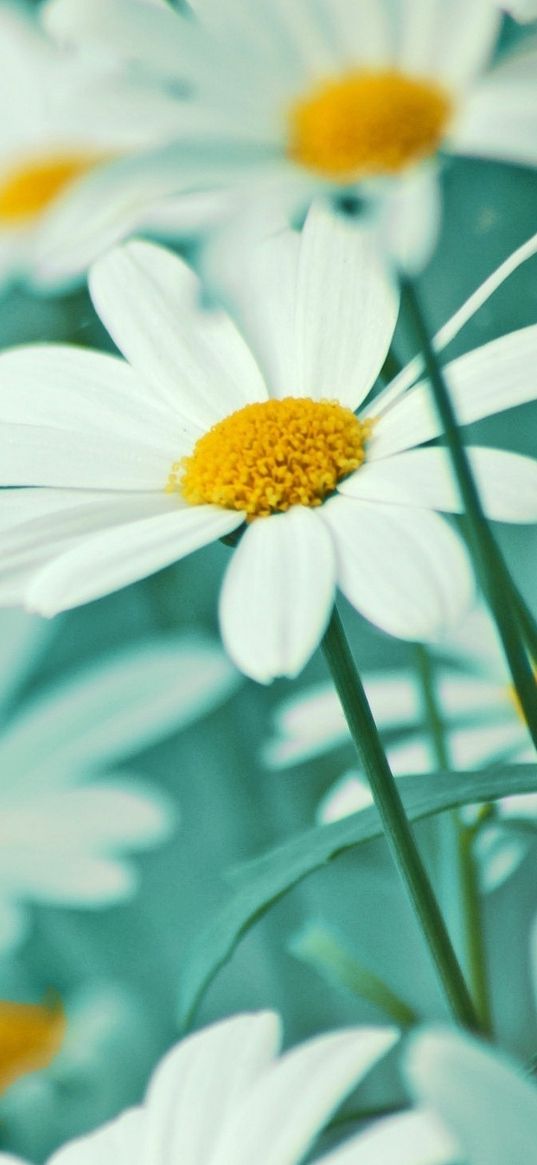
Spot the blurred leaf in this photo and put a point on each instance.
(263, 881)
(318, 947)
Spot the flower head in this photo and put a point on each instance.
(340, 98)
(138, 466)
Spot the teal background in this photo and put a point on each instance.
(231, 807)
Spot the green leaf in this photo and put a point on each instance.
(319, 948)
(263, 881)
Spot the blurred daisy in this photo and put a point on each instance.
(261, 1106)
(356, 100)
(485, 1101)
(31, 1035)
(69, 132)
(483, 726)
(143, 464)
(67, 820)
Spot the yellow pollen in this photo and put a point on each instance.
(367, 123)
(267, 457)
(31, 1034)
(30, 189)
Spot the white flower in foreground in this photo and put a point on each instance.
(482, 1098)
(328, 95)
(224, 1097)
(143, 464)
(70, 131)
(67, 821)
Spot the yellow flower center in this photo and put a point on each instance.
(267, 457)
(32, 187)
(31, 1034)
(367, 123)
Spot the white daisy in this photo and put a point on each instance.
(224, 1097)
(70, 131)
(484, 1099)
(142, 464)
(333, 95)
(67, 820)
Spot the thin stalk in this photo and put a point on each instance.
(460, 850)
(475, 947)
(488, 561)
(396, 827)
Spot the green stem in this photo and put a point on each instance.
(396, 827)
(460, 850)
(475, 946)
(488, 562)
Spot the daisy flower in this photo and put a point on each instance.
(67, 820)
(357, 100)
(139, 464)
(31, 1035)
(485, 1100)
(69, 132)
(260, 1105)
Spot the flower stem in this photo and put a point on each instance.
(487, 559)
(460, 841)
(396, 827)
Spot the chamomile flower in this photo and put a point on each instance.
(69, 132)
(137, 465)
(67, 820)
(485, 1101)
(223, 1097)
(352, 99)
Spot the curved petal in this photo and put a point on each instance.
(499, 119)
(444, 1069)
(115, 707)
(146, 32)
(117, 1140)
(286, 1108)
(346, 309)
(495, 377)
(193, 357)
(413, 1138)
(211, 1071)
(277, 594)
(403, 568)
(408, 218)
(111, 559)
(507, 482)
(449, 42)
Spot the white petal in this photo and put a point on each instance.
(313, 722)
(210, 1071)
(495, 377)
(40, 525)
(482, 1097)
(499, 119)
(346, 309)
(507, 482)
(414, 1138)
(143, 31)
(113, 708)
(194, 358)
(69, 879)
(277, 594)
(348, 795)
(448, 42)
(107, 561)
(117, 1140)
(480, 744)
(408, 219)
(403, 568)
(14, 923)
(289, 1105)
(498, 854)
(472, 695)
